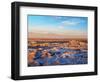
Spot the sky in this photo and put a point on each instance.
(43, 26)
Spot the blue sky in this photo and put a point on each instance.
(58, 24)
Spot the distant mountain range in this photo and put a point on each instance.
(54, 35)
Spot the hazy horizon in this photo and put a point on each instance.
(57, 26)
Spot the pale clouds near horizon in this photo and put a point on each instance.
(55, 33)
